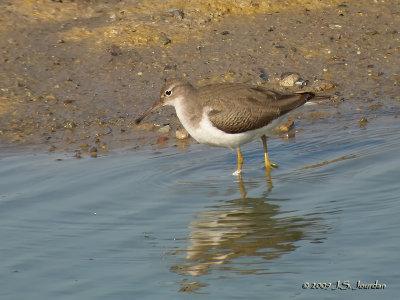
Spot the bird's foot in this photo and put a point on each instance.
(268, 163)
(237, 173)
(271, 165)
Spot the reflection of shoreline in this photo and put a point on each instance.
(248, 229)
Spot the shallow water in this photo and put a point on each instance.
(172, 224)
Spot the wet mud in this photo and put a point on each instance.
(75, 75)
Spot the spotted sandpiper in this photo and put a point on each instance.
(228, 114)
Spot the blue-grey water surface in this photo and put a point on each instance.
(172, 223)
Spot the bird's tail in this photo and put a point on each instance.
(291, 101)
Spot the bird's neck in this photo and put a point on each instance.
(188, 111)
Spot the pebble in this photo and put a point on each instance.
(335, 26)
(70, 125)
(175, 13)
(285, 127)
(323, 85)
(115, 50)
(289, 78)
(363, 122)
(170, 67)
(181, 134)
(164, 129)
(93, 152)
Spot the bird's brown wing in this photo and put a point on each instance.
(239, 108)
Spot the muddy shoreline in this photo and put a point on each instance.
(75, 75)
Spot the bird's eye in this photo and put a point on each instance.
(168, 93)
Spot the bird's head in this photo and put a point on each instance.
(173, 91)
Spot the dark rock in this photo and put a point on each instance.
(115, 50)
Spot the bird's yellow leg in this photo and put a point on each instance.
(268, 164)
(239, 162)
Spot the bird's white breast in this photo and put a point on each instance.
(204, 132)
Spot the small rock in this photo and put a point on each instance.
(289, 78)
(335, 26)
(66, 102)
(285, 127)
(70, 124)
(181, 134)
(175, 13)
(323, 85)
(115, 50)
(164, 129)
(363, 122)
(170, 67)
(225, 32)
(93, 152)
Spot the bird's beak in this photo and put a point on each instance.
(156, 105)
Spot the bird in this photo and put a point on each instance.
(228, 114)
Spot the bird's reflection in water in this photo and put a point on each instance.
(242, 188)
(224, 236)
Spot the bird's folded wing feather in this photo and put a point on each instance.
(246, 108)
